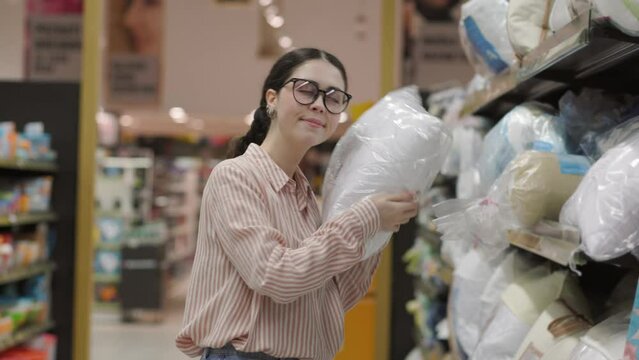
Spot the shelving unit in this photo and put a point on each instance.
(588, 52)
(24, 335)
(26, 219)
(26, 272)
(57, 106)
(28, 165)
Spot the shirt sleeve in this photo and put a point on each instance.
(240, 222)
(354, 283)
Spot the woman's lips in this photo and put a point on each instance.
(314, 122)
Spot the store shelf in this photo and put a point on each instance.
(26, 219)
(556, 250)
(27, 165)
(588, 52)
(24, 335)
(26, 272)
(105, 278)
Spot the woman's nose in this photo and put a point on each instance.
(318, 104)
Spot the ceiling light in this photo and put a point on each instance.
(271, 12)
(285, 42)
(276, 21)
(343, 117)
(178, 115)
(266, 3)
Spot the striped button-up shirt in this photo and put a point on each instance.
(268, 276)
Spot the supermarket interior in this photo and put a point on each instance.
(515, 123)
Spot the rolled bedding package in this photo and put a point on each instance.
(396, 145)
(605, 205)
(528, 24)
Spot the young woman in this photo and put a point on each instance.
(269, 280)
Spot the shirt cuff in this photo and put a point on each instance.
(368, 215)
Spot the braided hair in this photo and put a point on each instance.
(279, 74)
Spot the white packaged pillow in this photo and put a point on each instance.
(527, 23)
(485, 36)
(605, 206)
(521, 304)
(606, 340)
(396, 145)
(564, 11)
(623, 13)
(556, 323)
(470, 279)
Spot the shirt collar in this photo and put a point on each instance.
(277, 177)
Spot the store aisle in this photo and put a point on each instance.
(112, 339)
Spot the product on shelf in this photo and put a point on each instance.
(484, 35)
(555, 333)
(396, 145)
(564, 11)
(33, 144)
(527, 126)
(527, 24)
(521, 305)
(605, 201)
(605, 340)
(624, 14)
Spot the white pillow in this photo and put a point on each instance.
(396, 145)
(605, 206)
(527, 23)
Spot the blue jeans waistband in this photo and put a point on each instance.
(228, 350)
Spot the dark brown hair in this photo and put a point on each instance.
(280, 73)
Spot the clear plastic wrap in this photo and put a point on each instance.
(470, 278)
(396, 145)
(485, 37)
(527, 126)
(623, 13)
(527, 24)
(521, 305)
(591, 112)
(596, 145)
(605, 206)
(564, 11)
(606, 340)
(540, 183)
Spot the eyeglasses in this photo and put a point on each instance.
(306, 92)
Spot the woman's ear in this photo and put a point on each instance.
(271, 98)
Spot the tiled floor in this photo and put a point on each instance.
(113, 340)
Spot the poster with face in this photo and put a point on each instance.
(134, 54)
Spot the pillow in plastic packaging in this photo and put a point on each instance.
(527, 126)
(596, 145)
(396, 145)
(521, 305)
(564, 11)
(606, 340)
(592, 112)
(470, 278)
(485, 36)
(514, 265)
(541, 183)
(605, 206)
(527, 24)
(624, 14)
(558, 323)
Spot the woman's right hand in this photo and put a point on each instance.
(395, 209)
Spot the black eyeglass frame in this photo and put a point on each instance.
(319, 91)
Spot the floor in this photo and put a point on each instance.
(111, 339)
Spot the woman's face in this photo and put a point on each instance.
(306, 125)
(144, 20)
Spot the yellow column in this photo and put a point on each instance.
(384, 273)
(89, 95)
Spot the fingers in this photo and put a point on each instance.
(402, 196)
